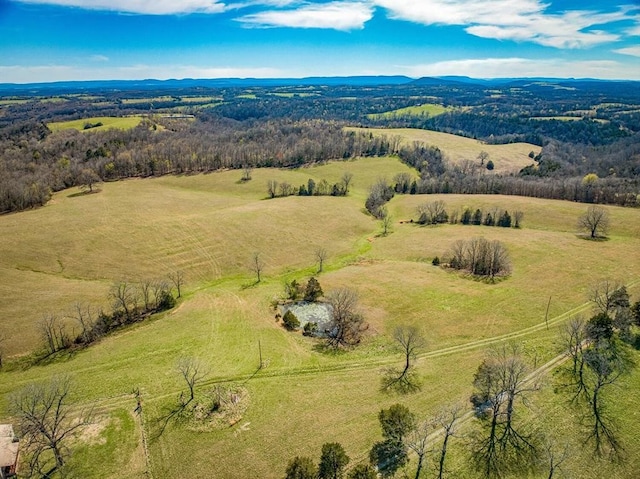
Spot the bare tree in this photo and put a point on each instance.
(410, 341)
(448, 420)
(574, 340)
(554, 458)
(595, 221)
(257, 266)
(46, 422)
(84, 317)
(517, 218)
(125, 298)
(499, 382)
(272, 188)
(347, 178)
(347, 324)
(418, 441)
(483, 156)
(54, 334)
(321, 256)
(177, 278)
(88, 179)
(246, 172)
(386, 221)
(192, 372)
(603, 295)
(605, 367)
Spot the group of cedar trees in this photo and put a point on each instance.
(311, 188)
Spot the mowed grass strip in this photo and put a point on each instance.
(506, 158)
(123, 123)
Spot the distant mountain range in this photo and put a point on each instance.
(356, 81)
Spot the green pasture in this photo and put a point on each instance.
(123, 123)
(208, 226)
(506, 158)
(427, 109)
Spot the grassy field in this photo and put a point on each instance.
(506, 158)
(427, 109)
(208, 226)
(123, 123)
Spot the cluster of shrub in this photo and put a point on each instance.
(311, 188)
(132, 302)
(295, 291)
(479, 257)
(88, 125)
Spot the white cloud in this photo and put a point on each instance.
(335, 15)
(52, 73)
(517, 20)
(99, 58)
(146, 7)
(633, 51)
(523, 67)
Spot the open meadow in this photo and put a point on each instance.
(97, 123)
(507, 158)
(208, 227)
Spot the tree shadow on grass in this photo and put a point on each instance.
(84, 193)
(395, 381)
(597, 239)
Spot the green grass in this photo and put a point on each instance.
(427, 109)
(123, 123)
(13, 101)
(208, 226)
(506, 158)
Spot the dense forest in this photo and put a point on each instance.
(589, 133)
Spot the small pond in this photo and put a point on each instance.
(320, 313)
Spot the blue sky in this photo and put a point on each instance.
(53, 40)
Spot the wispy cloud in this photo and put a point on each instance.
(633, 51)
(523, 67)
(145, 7)
(51, 73)
(98, 58)
(334, 15)
(517, 20)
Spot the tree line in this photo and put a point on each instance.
(311, 188)
(131, 302)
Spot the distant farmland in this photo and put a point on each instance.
(123, 123)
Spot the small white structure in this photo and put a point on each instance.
(9, 451)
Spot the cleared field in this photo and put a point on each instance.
(158, 99)
(123, 123)
(506, 158)
(427, 109)
(208, 226)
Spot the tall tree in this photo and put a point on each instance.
(321, 257)
(47, 420)
(410, 341)
(595, 221)
(301, 468)
(389, 455)
(347, 324)
(257, 266)
(193, 372)
(499, 382)
(333, 460)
